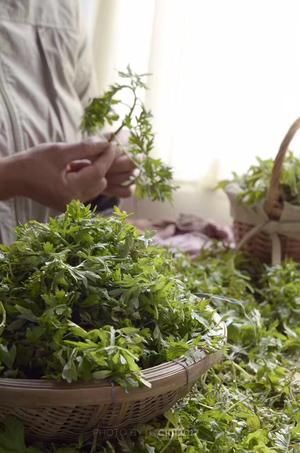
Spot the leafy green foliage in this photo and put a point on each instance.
(153, 179)
(107, 298)
(250, 402)
(12, 439)
(256, 181)
(281, 294)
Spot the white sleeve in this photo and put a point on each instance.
(85, 81)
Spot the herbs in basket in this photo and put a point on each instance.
(265, 205)
(254, 184)
(87, 298)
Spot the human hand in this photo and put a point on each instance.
(49, 174)
(118, 177)
(121, 172)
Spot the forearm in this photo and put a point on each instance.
(43, 174)
(11, 170)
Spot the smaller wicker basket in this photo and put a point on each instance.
(57, 411)
(260, 243)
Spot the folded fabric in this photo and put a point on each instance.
(189, 233)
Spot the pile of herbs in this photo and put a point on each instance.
(86, 297)
(255, 183)
(250, 402)
(153, 179)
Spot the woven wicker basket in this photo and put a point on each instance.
(60, 411)
(260, 244)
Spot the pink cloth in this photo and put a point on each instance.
(188, 233)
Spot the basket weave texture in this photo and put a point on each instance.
(260, 245)
(269, 231)
(59, 411)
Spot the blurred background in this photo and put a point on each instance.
(225, 85)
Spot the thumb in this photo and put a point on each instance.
(84, 150)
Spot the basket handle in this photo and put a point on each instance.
(272, 199)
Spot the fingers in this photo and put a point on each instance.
(117, 179)
(119, 191)
(85, 192)
(77, 165)
(83, 150)
(95, 167)
(90, 174)
(122, 164)
(102, 164)
(89, 181)
(119, 176)
(64, 172)
(94, 190)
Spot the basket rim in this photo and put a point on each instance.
(33, 393)
(164, 377)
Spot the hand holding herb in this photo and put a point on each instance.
(120, 177)
(53, 174)
(153, 179)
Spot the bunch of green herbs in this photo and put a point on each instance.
(153, 178)
(250, 402)
(108, 299)
(255, 183)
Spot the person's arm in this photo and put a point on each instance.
(47, 174)
(10, 173)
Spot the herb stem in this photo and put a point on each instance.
(168, 443)
(118, 130)
(238, 367)
(3, 321)
(236, 404)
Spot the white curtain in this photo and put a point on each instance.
(225, 84)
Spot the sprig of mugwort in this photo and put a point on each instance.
(153, 178)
